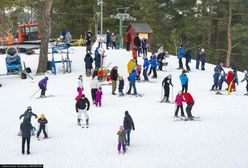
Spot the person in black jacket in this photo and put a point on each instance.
(42, 121)
(88, 41)
(137, 44)
(88, 63)
(82, 106)
(26, 129)
(28, 114)
(128, 126)
(166, 84)
(114, 77)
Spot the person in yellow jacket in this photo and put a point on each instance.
(131, 65)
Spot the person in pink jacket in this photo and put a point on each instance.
(179, 104)
(99, 97)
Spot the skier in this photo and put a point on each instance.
(128, 126)
(138, 72)
(121, 140)
(114, 77)
(184, 81)
(80, 87)
(217, 71)
(161, 57)
(42, 121)
(145, 68)
(154, 65)
(180, 53)
(179, 104)
(88, 63)
(121, 86)
(203, 59)
(43, 86)
(197, 57)
(245, 78)
(28, 114)
(187, 97)
(132, 81)
(137, 44)
(107, 39)
(166, 84)
(144, 45)
(99, 97)
(26, 128)
(94, 83)
(82, 106)
(188, 57)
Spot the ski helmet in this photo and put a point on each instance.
(29, 108)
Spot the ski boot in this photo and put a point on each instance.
(87, 123)
(78, 122)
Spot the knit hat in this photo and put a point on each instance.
(121, 128)
(100, 88)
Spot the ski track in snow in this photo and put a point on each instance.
(218, 140)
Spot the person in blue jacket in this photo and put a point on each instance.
(154, 65)
(180, 53)
(217, 71)
(132, 81)
(221, 80)
(197, 57)
(146, 65)
(184, 81)
(188, 57)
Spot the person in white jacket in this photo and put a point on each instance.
(94, 84)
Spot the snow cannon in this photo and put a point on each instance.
(13, 61)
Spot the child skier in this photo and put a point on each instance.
(80, 87)
(138, 71)
(121, 140)
(82, 106)
(145, 68)
(99, 97)
(179, 104)
(42, 127)
(246, 78)
(121, 86)
(184, 81)
(43, 86)
(166, 85)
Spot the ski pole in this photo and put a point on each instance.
(172, 95)
(161, 96)
(35, 93)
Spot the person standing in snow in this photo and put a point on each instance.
(113, 41)
(114, 77)
(80, 87)
(166, 85)
(121, 85)
(180, 53)
(132, 81)
(217, 71)
(203, 58)
(128, 126)
(179, 104)
(97, 59)
(128, 40)
(26, 128)
(108, 38)
(188, 57)
(82, 106)
(144, 45)
(94, 84)
(99, 97)
(230, 79)
(188, 99)
(88, 41)
(43, 86)
(221, 80)
(161, 57)
(68, 39)
(88, 63)
(184, 81)
(246, 78)
(42, 121)
(197, 57)
(145, 68)
(154, 65)
(137, 44)
(121, 140)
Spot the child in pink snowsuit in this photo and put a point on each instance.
(179, 104)
(99, 97)
(80, 87)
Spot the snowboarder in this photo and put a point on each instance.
(99, 97)
(80, 87)
(42, 127)
(121, 85)
(188, 57)
(217, 71)
(203, 58)
(82, 106)
(43, 86)
(28, 114)
(180, 53)
(94, 83)
(245, 78)
(132, 81)
(197, 57)
(179, 104)
(121, 140)
(145, 68)
(187, 97)
(184, 81)
(166, 85)
(26, 128)
(88, 63)
(114, 77)
(128, 126)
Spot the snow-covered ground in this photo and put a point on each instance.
(219, 140)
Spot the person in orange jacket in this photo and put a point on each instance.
(188, 99)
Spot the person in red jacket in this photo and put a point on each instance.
(187, 98)
(230, 78)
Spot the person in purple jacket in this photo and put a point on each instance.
(43, 86)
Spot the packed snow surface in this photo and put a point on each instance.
(219, 140)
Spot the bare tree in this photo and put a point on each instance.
(229, 34)
(46, 23)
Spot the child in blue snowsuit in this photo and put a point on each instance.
(145, 68)
(184, 81)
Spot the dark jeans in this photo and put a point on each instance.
(181, 108)
(132, 85)
(180, 63)
(145, 74)
(43, 90)
(203, 65)
(23, 144)
(160, 65)
(197, 63)
(185, 88)
(128, 46)
(154, 70)
(42, 127)
(144, 51)
(93, 95)
(127, 136)
(123, 146)
(187, 65)
(189, 108)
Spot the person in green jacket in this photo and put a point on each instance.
(121, 139)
